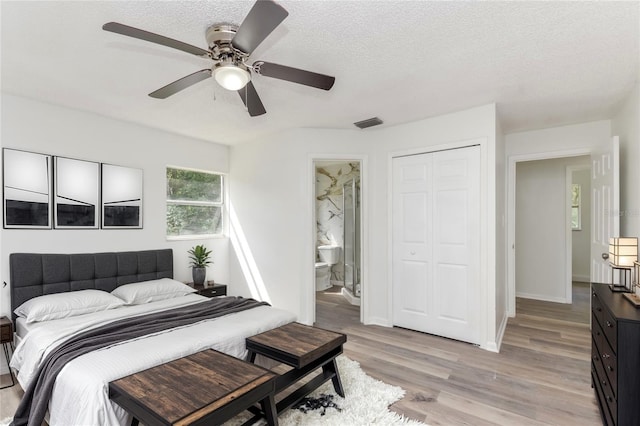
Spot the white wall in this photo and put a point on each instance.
(626, 124)
(49, 129)
(501, 234)
(541, 225)
(271, 194)
(581, 239)
(575, 137)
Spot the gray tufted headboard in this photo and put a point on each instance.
(35, 274)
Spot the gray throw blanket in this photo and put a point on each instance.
(35, 401)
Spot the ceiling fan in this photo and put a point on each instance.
(229, 48)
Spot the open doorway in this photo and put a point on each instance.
(579, 179)
(544, 236)
(338, 237)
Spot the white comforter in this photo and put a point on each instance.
(81, 393)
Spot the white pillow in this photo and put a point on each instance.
(69, 304)
(151, 291)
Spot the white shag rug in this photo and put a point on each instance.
(366, 402)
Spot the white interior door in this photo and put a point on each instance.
(605, 206)
(436, 243)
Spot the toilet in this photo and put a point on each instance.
(329, 255)
(323, 276)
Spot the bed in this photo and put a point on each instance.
(80, 392)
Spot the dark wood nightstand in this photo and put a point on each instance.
(6, 338)
(212, 290)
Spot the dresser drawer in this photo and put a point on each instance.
(220, 290)
(596, 329)
(610, 366)
(600, 375)
(610, 403)
(607, 357)
(610, 328)
(604, 408)
(596, 306)
(5, 335)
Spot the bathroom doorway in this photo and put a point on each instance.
(338, 232)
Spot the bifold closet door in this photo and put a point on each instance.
(436, 243)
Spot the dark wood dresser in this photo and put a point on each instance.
(615, 356)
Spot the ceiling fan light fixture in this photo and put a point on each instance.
(231, 76)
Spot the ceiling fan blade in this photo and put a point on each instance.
(262, 19)
(251, 100)
(181, 84)
(294, 75)
(115, 27)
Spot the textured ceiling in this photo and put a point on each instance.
(542, 63)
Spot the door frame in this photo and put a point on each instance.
(309, 294)
(511, 216)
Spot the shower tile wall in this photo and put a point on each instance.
(329, 226)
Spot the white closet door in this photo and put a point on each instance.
(436, 243)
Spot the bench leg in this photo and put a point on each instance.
(269, 408)
(252, 357)
(332, 367)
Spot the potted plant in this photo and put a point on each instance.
(200, 258)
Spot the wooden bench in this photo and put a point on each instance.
(206, 388)
(304, 348)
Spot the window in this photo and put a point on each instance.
(195, 203)
(576, 222)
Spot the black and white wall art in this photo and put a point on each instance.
(76, 193)
(27, 189)
(121, 197)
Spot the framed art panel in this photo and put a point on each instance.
(27, 189)
(76, 193)
(121, 197)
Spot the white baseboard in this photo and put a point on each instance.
(501, 330)
(383, 322)
(490, 346)
(350, 297)
(542, 297)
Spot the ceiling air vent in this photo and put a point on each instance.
(368, 123)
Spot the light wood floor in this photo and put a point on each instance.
(541, 375)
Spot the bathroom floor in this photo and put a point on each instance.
(330, 303)
(340, 291)
(335, 289)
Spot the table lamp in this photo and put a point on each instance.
(623, 252)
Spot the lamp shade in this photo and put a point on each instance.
(231, 76)
(623, 251)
